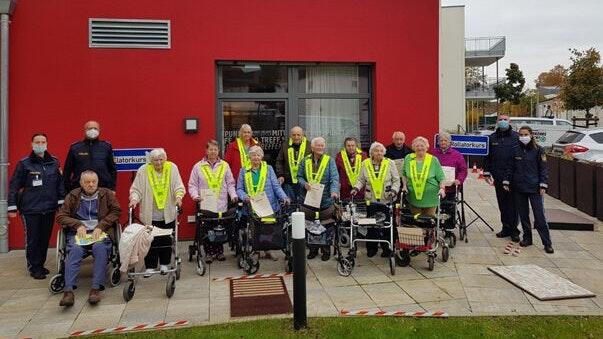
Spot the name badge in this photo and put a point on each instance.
(36, 183)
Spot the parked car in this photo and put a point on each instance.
(546, 130)
(581, 144)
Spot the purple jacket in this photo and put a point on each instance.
(452, 158)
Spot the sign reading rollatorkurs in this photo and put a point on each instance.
(468, 144)
(130, 159)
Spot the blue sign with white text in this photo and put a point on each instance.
(468, 144)
(130, 159)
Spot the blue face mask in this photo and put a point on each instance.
(38, 149)
(503, 124)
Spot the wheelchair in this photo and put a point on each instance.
(57, 282)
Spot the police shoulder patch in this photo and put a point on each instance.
(543, 157)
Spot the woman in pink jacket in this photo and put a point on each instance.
(214, 174)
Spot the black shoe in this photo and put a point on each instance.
(549, 249)
(325, 256)
(313, 253)
(502, 234)
(386, 253)
(524, 243)
(45, 271)
(371, 253)
(515, 238)
(38, 275)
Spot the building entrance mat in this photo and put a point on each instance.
(541, 283)
(564, 220)
(259, 296)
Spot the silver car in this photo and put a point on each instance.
(581, 144)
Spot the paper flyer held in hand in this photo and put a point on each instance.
(314, 195)
(261, 205)
(449, 175)
(209, 201)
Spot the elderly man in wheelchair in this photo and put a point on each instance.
(88, 214)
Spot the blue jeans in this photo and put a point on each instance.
(75, 253)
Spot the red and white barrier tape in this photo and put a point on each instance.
(253, 276)
(399, 313)
(139, 327)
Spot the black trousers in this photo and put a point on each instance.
(38, 229)
(161, 247)
(508, 211)
(535, 199)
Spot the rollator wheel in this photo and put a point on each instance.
(115, 277)
(178, 269)
(170, 286)
(57, 283)
(240, 261)
(129, 290)
(252, 266)
(344, 239)
(345, 267)
(392, 265)
(445, 253)
(403, 259)
(200, 265)
(450, 239)
(430, 262)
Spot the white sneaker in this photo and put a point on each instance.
(148, 272)
(163, 269)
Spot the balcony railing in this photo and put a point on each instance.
(481, 89)
(485, 47)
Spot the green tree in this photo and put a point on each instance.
(512, 89)
(554, 77)
(583, 88)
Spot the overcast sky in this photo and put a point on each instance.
(539, 32)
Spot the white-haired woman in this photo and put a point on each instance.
(214, 174)
(260, 177)
(381, 181)
(422, 178)
(237, 152)
(159, 190)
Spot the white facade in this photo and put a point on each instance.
(452, 67)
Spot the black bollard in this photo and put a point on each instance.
(298, 235)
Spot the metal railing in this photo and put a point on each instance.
(485, 47)
(482, 88)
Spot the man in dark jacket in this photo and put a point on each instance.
(90, 154)
(288, 161)
(36, 190)
(503, 143)
(398, 149)
(88, 214)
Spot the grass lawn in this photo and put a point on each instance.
(391, 327)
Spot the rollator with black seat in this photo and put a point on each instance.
(321, 226)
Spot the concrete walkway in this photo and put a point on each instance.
(462, 286)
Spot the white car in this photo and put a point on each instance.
(546, 130)
(582, 145)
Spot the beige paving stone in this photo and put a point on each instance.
(411, 307)
(53, 330)
(454, 307)
(387, 294)
(219, 310)
(424, 291)
(142, 311)
(485, 308)
(99, 316)
(451, 285)
(350, 297)
(486, 281)
(509, 260)
(193, 310)
(319, 303)
(462, 268)
(482, 295)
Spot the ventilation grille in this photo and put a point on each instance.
(129, 33)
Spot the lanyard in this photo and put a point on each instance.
(419, 179)
(377, 180)
(293, 161)
(315, 178)
(160, 187)
(214, 181)
(252, 189)
(352, 173)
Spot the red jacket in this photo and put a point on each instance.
(344, 181)
(233, 158)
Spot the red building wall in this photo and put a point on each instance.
(140, 96)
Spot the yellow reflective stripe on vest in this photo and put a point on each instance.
(352, 173)
(214, 182)
(419, 180)
(377, 180)
(252, 189)
(245, 162)
(160, 187)
(293, 161)
(315, 178)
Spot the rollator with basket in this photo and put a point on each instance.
(321, 229)
(263, 234)
(211, 229)
(419, 234)
(174, 268)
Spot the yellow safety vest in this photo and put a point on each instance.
(160, 187)
(315, 178)
(295, 162)
(419, 180)
(377, 180)
(245, 162)
(252, 189)
(352, 173)
(214, 181)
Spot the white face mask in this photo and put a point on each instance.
(525, 139)
(92, 133)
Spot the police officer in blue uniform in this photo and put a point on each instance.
(502, 144)
(36, 190)
(527, 179)
(90, 154)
